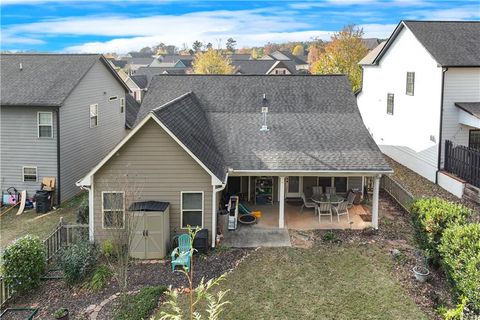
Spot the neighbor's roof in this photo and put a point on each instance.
(149, 72)
(44, 79)
(132, 107)
(371, 43)
(451, 43)
(371, 55)
(259, 67)
(314, 123)
(471, 107)
(140, 80)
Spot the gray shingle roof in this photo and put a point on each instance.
(471, 107)
(259, 67)
(314, 122)
(371, 55)
(149, 72)
(132, 107)
(44, 79)
(140, 80)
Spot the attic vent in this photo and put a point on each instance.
(21, 66)
(264, 117)
(264, 96)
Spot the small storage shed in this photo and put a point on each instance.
(152, 229)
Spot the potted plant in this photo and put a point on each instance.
(61, 313)
(421, 271)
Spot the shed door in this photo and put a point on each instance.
(155, 244)
(138, 248)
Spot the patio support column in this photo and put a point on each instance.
(281, 210)
(376, 189)
(248, 189)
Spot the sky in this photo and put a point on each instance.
(81, 26)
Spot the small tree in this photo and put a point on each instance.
(298, 50)
(342, 55)
(197, 46)
(231, 44)
(212, 62)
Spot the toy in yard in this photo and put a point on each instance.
(245, 210)
(14, 199)
(232, 208)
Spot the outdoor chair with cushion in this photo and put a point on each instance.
(341, 210)
(331, 190)
(350, 198)
(181, 254)
(307, 204)
(317, 190)
(324, 209)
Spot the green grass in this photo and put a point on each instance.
(324, 282)
(30, 222)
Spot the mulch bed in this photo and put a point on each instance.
(54, 293)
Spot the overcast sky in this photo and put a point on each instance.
(122, 26)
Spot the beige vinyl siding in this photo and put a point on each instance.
(161, 170)
(82, 147)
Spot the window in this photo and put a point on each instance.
(113, 98)
(474, 139)
(45, 124)
(113, 209)
(341, 184)
(410, 83)
(390, 103)
(29, 174)
(192, 209)
(324, 182)
(93, 115)
(122, 105)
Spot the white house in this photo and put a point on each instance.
(422, 88)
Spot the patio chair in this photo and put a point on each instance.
(307, 204)
(324, 209)
(341, 210)
(317, 190)
(331, 190)
(350, 198)
(181, 254)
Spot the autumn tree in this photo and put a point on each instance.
(254, 54)
(231, 43)
(211, 62)
(270, 47)
(342, 55)
(298, 50)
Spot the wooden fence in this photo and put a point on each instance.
(397, 192)
(463, 162)
(63, 236)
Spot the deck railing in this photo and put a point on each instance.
(397, 192)
(62, 236)
(463, 162)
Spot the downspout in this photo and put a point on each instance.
(57, 189)
(214, 210)
(444, 71)
(91, 218)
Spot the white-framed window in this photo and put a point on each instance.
(410, 88)
(29, 174)
(390, 103)
(45, 124)
(113, 209)
(191, 209)
(93, 115)
(113, 98)
(122, 105)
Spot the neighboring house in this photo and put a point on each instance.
(371, 43)
(190, 142)
(140, 87)
(135, 88)
(297, 62)
(422, 88)
(60, 114)
(133, 64)
(258, 67)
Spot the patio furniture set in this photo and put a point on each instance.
(328, 203)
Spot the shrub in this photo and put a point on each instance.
(82, 212)
(108, 249)
(432, 216)
(460, 252)
(24, 263)
(141, 305)
(100, 278)
(78, 261)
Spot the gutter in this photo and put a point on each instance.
(439, 159)
(214, 211)
(57, 189)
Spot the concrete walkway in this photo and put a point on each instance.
(254, 236)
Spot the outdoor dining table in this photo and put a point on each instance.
(333, 199)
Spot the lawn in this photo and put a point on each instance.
(30, 222)
(341, 281)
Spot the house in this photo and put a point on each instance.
(60, 114)
(420, 93)
(191, 143)
(297, 62)
(134, 63)
(134, 83)
(258, 67)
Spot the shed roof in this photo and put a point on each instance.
(471, 107)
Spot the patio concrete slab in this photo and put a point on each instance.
(255, 236)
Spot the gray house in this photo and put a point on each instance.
(60, 114)
(191, 143)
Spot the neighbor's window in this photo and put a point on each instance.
(93, 115)
(45, 124)
(29, 174)
(113, 209)
(474, 139)
(192, 209)
(122, 105)
(410, 83)
(390, 103)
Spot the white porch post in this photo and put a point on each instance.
(376, 189)
(248, 189)
(281, 210)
